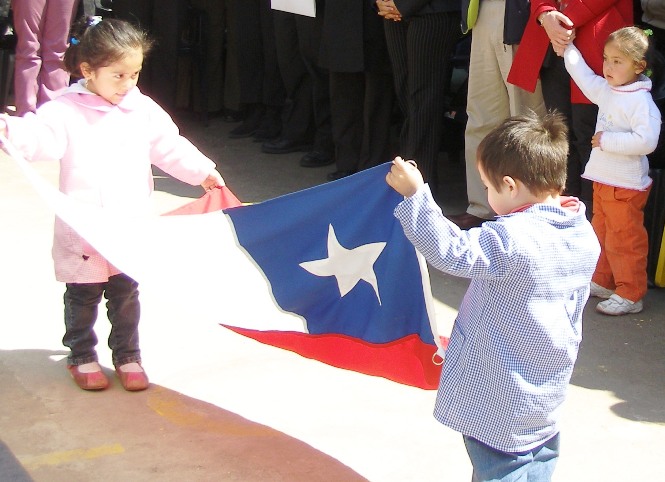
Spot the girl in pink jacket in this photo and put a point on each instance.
(106, 135)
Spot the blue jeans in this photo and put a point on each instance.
(124, 311)
(491, 465)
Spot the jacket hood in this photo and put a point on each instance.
(79, 94)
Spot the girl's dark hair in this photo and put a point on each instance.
(102, 42)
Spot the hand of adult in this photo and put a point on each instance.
(388, 10)
(559, 29)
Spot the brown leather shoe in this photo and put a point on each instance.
(466, 220)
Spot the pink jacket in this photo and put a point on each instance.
(105, 153)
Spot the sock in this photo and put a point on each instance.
(89, 367)
(132, 367)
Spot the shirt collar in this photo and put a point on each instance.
(642, 83)
(567, 203)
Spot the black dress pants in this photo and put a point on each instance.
(258, 71)
(162, 20)
(307, 114)
(420, 49)
(361, 108)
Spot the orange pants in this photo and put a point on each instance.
(618, 220)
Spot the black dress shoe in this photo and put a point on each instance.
(316, 159)
(232, 116)
(267, 134)
(243, 130)
(284, 146)
(270, 126)
(466, 220)
(253, 116)
(334, 176)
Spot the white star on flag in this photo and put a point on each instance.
(348, 266)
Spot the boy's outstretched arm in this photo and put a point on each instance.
(404, 177)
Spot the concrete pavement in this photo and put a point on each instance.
(280, 417)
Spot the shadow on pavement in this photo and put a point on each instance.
(10, 468)
(625, 355)
(66, 434)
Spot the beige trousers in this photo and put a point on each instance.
(491, 99)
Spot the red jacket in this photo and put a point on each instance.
(594, 20)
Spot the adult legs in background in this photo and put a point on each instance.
(361, 106)
(213, 63)
(347, 100)
(138, 12)
(396, 35)
(420, 49)
(163, 21)
(231, 94)
(42, 28)
(430, 44)
(297, 119)
(379, 100)
(273, 93)
(307, 112)
(261, 88)
(491, 99)
(310, 32)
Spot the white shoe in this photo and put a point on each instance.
(600, 292)
(616, 305)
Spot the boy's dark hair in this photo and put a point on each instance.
(528, 148)
(102, 42)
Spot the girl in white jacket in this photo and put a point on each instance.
(106, 135)
(627, 129)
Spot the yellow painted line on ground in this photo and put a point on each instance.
(64, 457)
(197, 415)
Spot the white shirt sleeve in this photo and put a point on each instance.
(590, 84)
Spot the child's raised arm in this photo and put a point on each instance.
(587, 80)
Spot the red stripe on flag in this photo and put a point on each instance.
(214, 200)
(407, 360)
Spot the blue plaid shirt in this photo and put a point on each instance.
(515, 340)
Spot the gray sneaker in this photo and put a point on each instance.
(600, 292)
(616, 305)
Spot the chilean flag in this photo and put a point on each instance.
(335, 255)
(325, 272)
